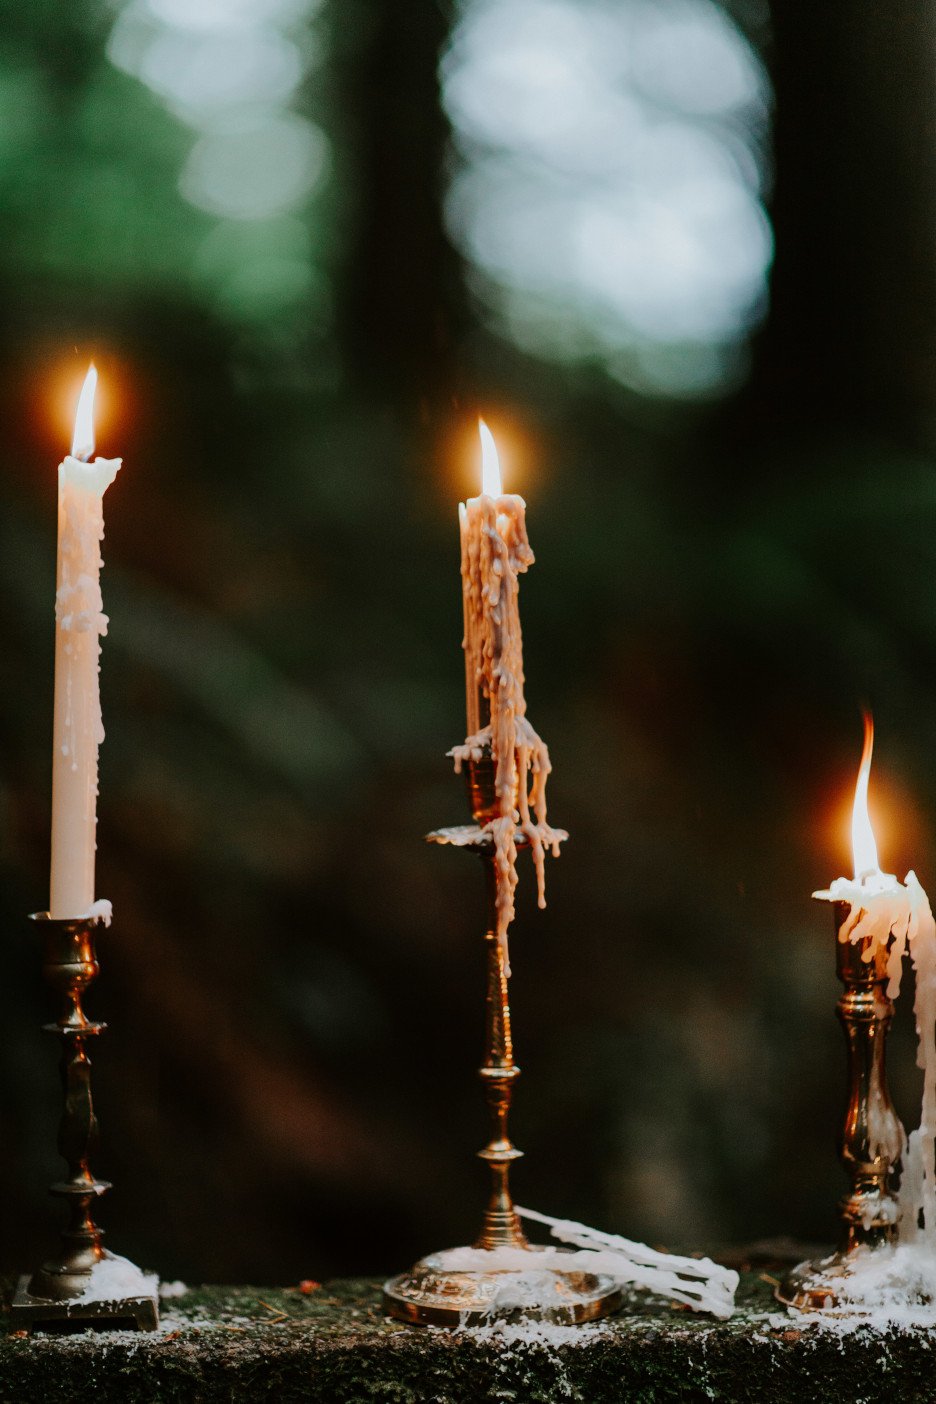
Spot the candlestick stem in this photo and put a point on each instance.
(54, 1291)
(872, 1137)
(70, 965)
(498, 1074)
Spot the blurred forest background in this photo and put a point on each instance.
(683, 259)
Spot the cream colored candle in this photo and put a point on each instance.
(494, 553)
(79, 623)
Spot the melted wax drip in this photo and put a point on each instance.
(495, 551)
(885, 911)
(79, 605)
(698, 1283)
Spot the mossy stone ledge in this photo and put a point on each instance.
(243, 1345)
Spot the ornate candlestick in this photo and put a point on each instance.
(443, 1295)
(62, 1289)
(872, 1139)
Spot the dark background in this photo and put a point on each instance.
(293, 981)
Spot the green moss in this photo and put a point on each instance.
(243, 1345)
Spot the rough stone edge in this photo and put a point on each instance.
(326, 1355)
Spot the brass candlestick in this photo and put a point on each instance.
(54, 1294)
(434, 1293)
(872, 1139)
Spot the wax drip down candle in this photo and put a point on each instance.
(79, 623)
(495, 551)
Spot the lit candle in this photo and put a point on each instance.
(79, 623)
(892, 915)
(494, 553)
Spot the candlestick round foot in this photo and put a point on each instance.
(824, 1285)
(58, 1283)
(436, 1295)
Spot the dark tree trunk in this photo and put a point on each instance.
(403, 286)
(851, 338)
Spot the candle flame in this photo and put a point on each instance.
(83, 437)
(490, 463)
(864, 848)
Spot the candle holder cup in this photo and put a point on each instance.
(433, 1293)
(59, 1292)
(872, 1138)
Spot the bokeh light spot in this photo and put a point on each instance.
(608, 194)
(257, 167)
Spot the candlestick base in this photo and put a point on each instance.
(29, 1313)
(821, 1286)
(434, 1295)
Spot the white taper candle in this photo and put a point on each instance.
(79, 624)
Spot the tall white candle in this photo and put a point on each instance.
(79, 623)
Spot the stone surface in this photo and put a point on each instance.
(241, 1345)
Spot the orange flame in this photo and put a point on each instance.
(864, 848)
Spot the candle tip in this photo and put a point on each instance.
(490, 463)
(83, 437)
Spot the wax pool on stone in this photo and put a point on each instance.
(494, 553)
(79, 623)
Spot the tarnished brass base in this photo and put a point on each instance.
(430, 1295)
(820, 1286)
(129, 1313)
